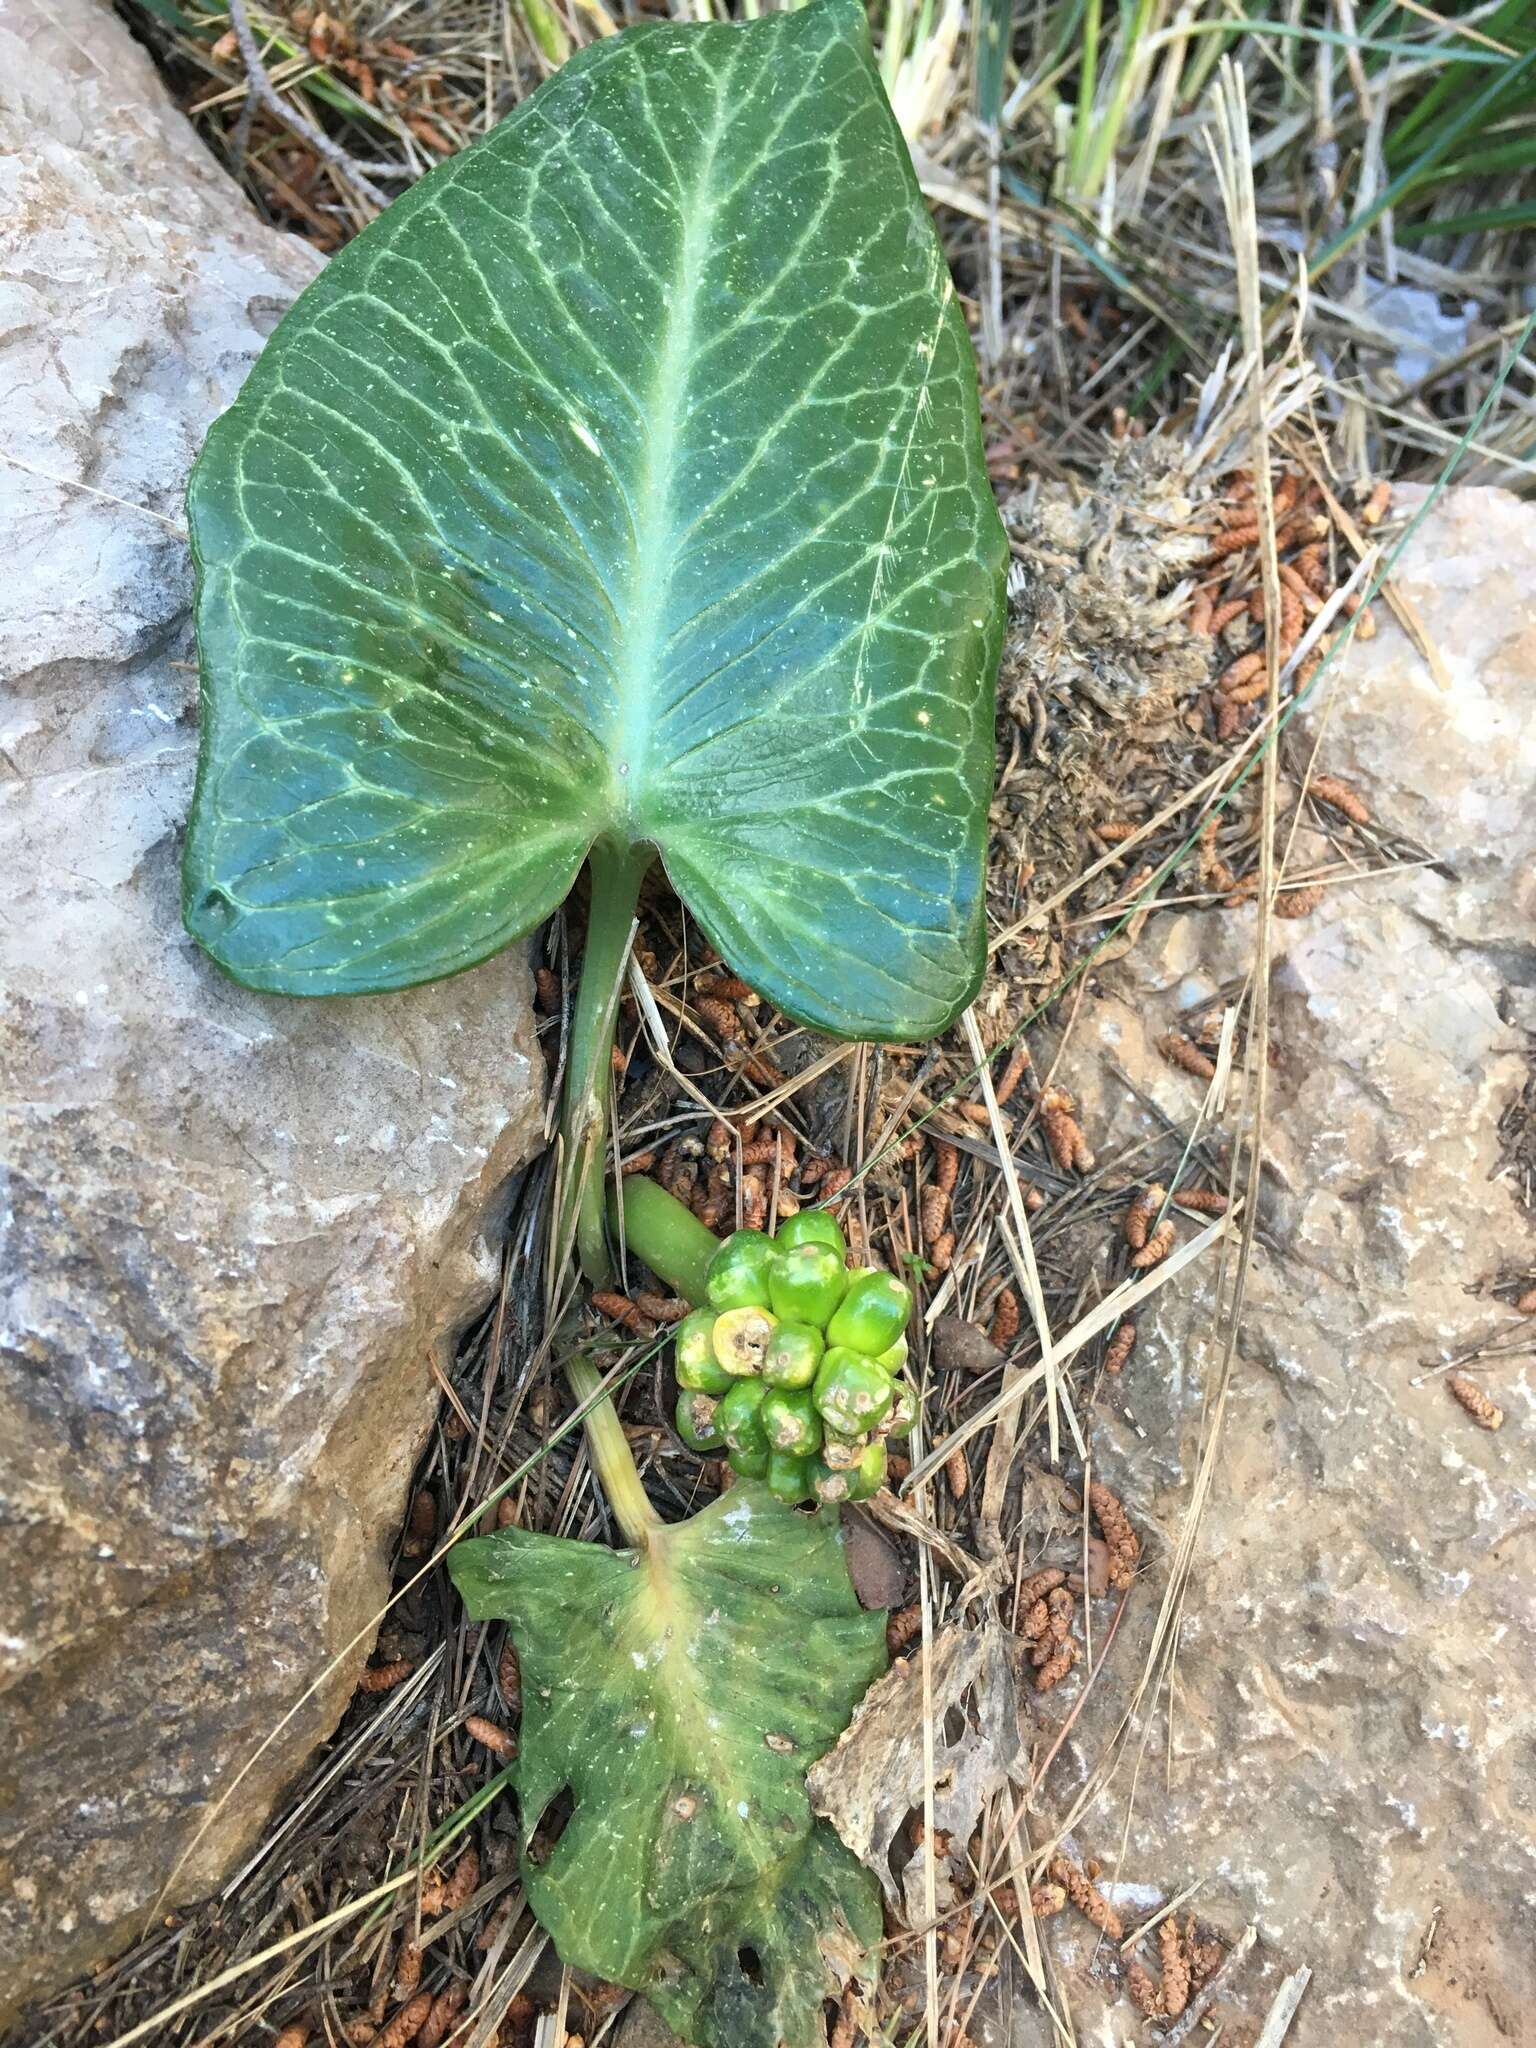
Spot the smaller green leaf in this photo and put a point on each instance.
(681, 1696)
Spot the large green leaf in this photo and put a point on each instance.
(681, 1697)
(624, 480)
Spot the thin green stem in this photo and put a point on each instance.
(671, 1240)
(612, 1459)
(616, 874)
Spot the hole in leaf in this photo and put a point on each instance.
(903, 1848)
(551, 1826)
(215, 909)
(750, 1964)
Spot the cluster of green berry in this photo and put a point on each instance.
(795, 1367)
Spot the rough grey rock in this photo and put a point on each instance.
(234, 1226)
(1353, 1752)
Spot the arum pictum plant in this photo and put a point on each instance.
(618, 496)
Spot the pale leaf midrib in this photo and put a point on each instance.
(668, 1611)
(650, 582)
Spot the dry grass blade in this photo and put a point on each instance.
(1021, 1246)
(1175, 1904)
(65, 483)
(1234, 167)
(1103, 1316)
(148, 2029)
(1287, 1999)
(1035, 1954)
(930, 1864)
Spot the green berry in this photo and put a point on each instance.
(841, 1452)
(793, 1354)
(828, 1486)
(811, 1226)
(740, 1339)
(895, 1360)
(853, 1393)
(904, 1411)
(748, 1464)
(739, 1420)
(873, 1314)
(869, 1475)
(696, 1422)
(698, 1369)
(789, 1477)
(790, 1421)
(738, 1273)
(806, 1283)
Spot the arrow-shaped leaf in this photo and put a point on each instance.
(623, 481)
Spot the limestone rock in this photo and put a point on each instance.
(234, 1226)
(1354, 1746)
